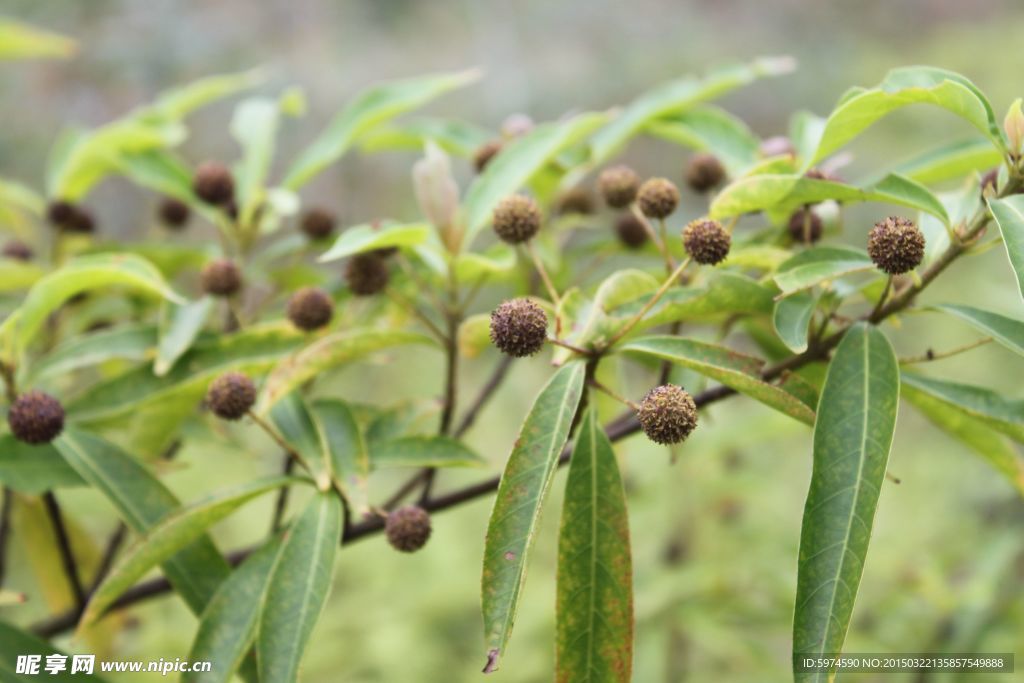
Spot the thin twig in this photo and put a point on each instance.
(5, 530)
(566, 345)
(665, 286)
(882, 297)
(621, 399)
(281, 503)
(414, 310)
(543, 272)
(930, 355)
(114, 544)
(67, 557)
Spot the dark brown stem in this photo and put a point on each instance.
(67, 557)
(281, 504)
(5, 531)
(109, 553)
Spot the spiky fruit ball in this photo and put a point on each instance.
(805, 226)
(618, 186)
(706, 241)
(667, 415)
(231, 395)
(221, 278)
(173, 213)
(408, 528)
(318, 224)
(657, 198)
(213, 183)
(704, 172)
(367, 274)
(484, 153)
(896, 245)
(631, 231)
(17, 251)
(310, 308)
(36, 418)
(60, 212)
(516, 219)
(519, 327)
(576, 200)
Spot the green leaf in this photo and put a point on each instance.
(1006, 331)
(33, 469)
(998, 412)
(345, 450)
(714, 130)
(179, 102)
(861, 108)
(496, 260)
(369, 109)
(227, 627)
(297, 590)
(423, 451)
(735, 370)
(18, 275)
(142, 501)
(1009, 215)
(678, 96)
(179, 327)
(595, 573)
(22, 41)
(169, 537)
(816, 265)
(14, 643)
(951, 161)
(81, 274)
(792, 319)
(368, 237)
(293, 420)
(254, 126)
(327, 353)
(519, 161)
(455, 137)
(964, 426)
(852, 438)
(524, 486)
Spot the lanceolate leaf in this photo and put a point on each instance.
(736, 370)
(227, 627)
(518, 162)
(363, 238)
(792, 317)
(33, 469)
(816, 265)
(292, 419)
(345, 450)
(169, 537)
(14, 643)
(524, 486)
(22, 41)
(142, 502)
(951, 161)
(1009, 215)
(852, 437)
(179, 327)
(998, 412)
(714, 130)
(595, 573)
(967, 428)
(298, 587)
(370, 108)
(131, 342)
(1006, 331)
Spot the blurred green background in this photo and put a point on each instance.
(716, 527)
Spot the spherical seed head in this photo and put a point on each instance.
(173, 213)
(516, 218)
(59, 212)
(805, 226)
(36, 418)
(484, 153)
(213, 183)
(310, 308)
(17, 251)
(618, 185)
(704, 172)
(631, 231)
(81, 221)
(408, 528)
(221, 278)
(231, 395)
(667, 414)
(706, 241)
(318, 224)
(366, 274)
(657, 198)
(896, 245)
(519, 327)
(576, 200)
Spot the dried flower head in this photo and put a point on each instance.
(667, 414)
(516, 219)
(805, 226)
(318, 224)
(896, 245)
(519, 327)
(367, 274)
(657, 198)
(310, 308)
(618, 186)
(706, 241)
(231, 395)
(173, 213)
(704, 172)
(408, 528)
(631, 231)
(221, 278)
(213, 183)
(36, 418)
(576, 200)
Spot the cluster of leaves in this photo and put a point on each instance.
(105, 328)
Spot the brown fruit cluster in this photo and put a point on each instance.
(576, 200)
(667, 415)
(310, 308)
(36, 418)
(318, 224)
(896, 245)
(657, 198)
(516, 219)
(70, 217)
(367, 274)
(706, 241)
(221, 278)
(213, 183)
(805, 226)
(173, 213)
(519, 327)
(631, 231)
(618, 186)
(704, 172)
(408, 528)
(231, 395)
